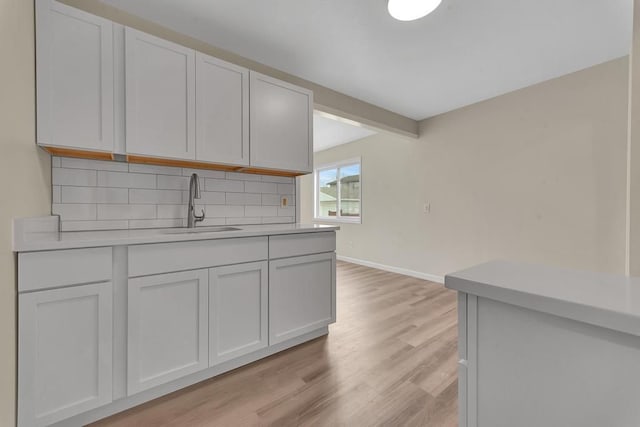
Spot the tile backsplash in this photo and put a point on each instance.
(103, 195)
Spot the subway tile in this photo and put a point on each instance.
(277, 179)
(173, 211)
(103, 195)
(55, 194)
(260, 211)
(94, 195)
(153, 169)
(286, 188)
(73, 163)
(209, 198)
(203, 173)
(260, 187)
(156, 197)
(79, 177)
(277, 220)
(125, 180)
(126, 211)
(222, 211)
(206, 198)
(276, 199)
(243, 176)
(224, 185)
(74, 212)
(166, 182)
(243, 199)
(243, 221)
(93, 225)
(271, 200)
(154, 223)
(288, 211)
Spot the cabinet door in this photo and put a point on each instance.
(65, 352)
(74, 69)
(302, 295)
(222, 111)
(160, 97)
(238, 319)
(167, 328)
(281, 125)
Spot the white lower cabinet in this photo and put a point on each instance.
(65, 348)
(160, 316)
(167, 328)
(238, 305)
(302, 295)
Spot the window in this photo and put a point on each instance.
(338, 192)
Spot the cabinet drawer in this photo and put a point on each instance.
(167, 257)
(41, 270)
(289, 245)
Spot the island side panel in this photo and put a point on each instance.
(462, 363)
(537, 369)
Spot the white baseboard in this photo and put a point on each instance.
(392, 269)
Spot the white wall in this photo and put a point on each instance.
(25, 172)
(536, 175)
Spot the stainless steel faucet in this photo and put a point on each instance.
(194, 193)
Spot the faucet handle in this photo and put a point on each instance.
(199, 218)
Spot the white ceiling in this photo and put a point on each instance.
(464, 52)
(330, 132)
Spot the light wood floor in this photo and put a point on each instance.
(390, 360)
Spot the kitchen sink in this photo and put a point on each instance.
(200, 230)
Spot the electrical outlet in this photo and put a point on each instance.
(284, 201)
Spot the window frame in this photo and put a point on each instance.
(316, 191)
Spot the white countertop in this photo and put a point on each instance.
(42, 238)
(607, 300)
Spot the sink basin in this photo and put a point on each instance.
(201, 230)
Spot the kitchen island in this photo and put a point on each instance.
(545, 346)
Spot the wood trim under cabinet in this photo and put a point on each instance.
(260, 171)
(179, 163)
(204, 165)
(81, 154)
(101, 155)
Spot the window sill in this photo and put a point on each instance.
(339, 220)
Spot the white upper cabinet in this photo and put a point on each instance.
(160, 79)
(178, 103)
(74, 69)
(222, 111)
(281, 125)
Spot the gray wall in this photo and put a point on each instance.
(536, 175)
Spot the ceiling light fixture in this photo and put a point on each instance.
(410, 10)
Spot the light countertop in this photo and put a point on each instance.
(607, 300)
(44, 236)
